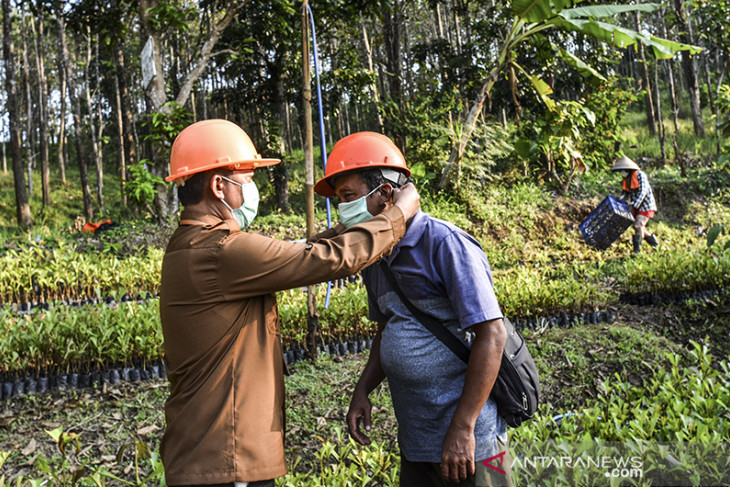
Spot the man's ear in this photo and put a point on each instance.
(216, 186)
(387, 191)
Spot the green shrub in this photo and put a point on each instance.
(675, 426)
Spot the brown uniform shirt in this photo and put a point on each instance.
(221, 328)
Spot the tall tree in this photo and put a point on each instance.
(43, 104)
(11, 85)
(373, 86)
(28, 80)
(72, 85)
(689, 68)
(118, 12)
(94, 104)
(156, 18)
(61, 72)
(392, 27)
(648, 97)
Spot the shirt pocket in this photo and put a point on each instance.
(415, 286)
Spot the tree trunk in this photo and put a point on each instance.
(165, 200)
(688, 66)
(457, 28)
(281, 170)
(312, 316)
(374, 86)
(122, 151)
(670, 77)
(11, 86)
(648, 98)
(125, 111)
(62, 116)
(440, 36)
(660, 121)
(30, 134)
(392, 24)
(719, 140)
(78, 124)
(95, 136)
(708, 83)
(43, 107)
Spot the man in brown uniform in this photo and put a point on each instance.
(218, 309)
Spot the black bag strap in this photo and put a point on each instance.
(432, 324)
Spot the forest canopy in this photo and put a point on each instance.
(96, 91)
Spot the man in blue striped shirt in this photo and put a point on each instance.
(447, 425)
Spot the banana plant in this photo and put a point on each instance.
(530, 17)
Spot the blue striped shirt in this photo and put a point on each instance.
(444, 272)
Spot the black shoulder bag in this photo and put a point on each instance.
(517, 388)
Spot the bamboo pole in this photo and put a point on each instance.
(312, 317)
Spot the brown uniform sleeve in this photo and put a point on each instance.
(329, 233)
(252, 264)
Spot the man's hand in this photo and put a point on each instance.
(359, 411)
(407, 199)
(457, 456)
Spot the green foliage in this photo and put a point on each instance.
(712, 18)
(574, 136)
(346, 316)
(37, 273)
(141, 185)
(714, 233)
(80, 339)
(164, 125)
(553, 137)
(548, 290)
(574, 362)
(171, 16)
(582, 19)
(598, 145)
(680, 410)
(344, 463)
(675, 271)
(77, 466)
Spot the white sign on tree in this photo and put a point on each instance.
(148, 63)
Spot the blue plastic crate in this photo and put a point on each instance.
(606, 223)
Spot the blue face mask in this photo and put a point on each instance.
(356, 211)
(247, 212)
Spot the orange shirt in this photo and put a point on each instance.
(225, 412)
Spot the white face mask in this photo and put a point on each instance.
(356, 211)
(625, 173)
(245, 214)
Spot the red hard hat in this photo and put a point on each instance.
(361, 150)
(211, 144)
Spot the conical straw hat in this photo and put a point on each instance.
(625, 164)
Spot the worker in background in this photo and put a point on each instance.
(447, 426)
(636, 191)
(225, 412)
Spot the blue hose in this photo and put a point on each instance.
(323, 142)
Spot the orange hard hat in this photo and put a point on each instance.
(211, 144)
(358, 151)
